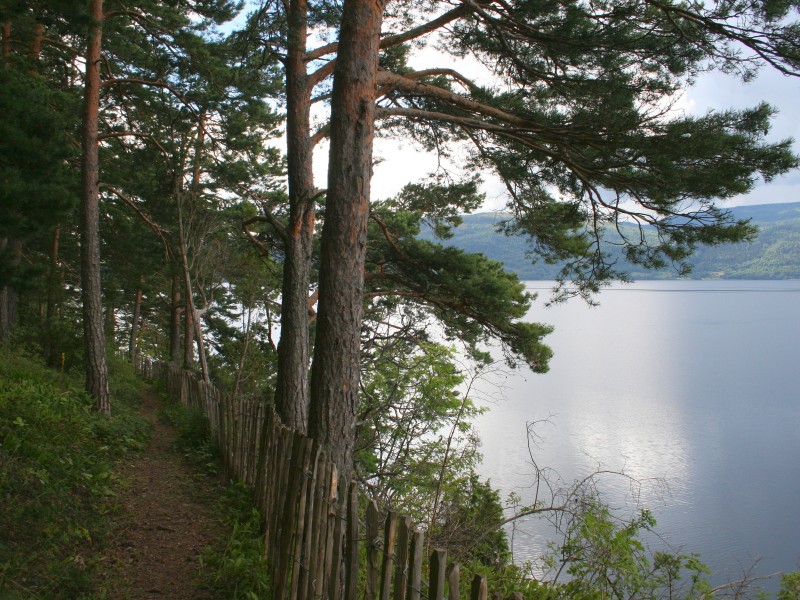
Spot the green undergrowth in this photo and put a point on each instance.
(193, 440)
(57, 475)
(235, 567)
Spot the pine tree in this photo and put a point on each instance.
(575, 127)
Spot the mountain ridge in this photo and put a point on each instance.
(774, 254)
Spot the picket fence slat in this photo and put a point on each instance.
(415, 566)
(453, 582)
(312, 532)
(402, 570)
(351, 547)
(437, 568)
(479, 590)
(387, 566)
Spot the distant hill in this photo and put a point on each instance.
(775, 254)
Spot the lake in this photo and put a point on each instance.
(691, 384)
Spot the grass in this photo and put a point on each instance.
(57, 475)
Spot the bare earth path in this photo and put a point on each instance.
(166, 521)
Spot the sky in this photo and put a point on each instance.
(400, 162)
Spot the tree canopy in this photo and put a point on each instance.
(574, 115)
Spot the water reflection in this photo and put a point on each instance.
(690, 383)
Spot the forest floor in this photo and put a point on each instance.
(165, 522)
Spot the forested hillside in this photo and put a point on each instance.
(773, 254)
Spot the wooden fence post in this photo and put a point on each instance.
(387, 568)
(333, 589)
(415, 566)
(401, 569)
(437, 568)
(351, 558)
(373, 543)
(479, 590)
(453, 582)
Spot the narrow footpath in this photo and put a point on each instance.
(166, 521)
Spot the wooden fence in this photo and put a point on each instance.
(313, 530)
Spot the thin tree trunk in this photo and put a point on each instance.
(6, 43)
(335, 372)
(175, 321)
(8, 296)
(53, 299)
(36, 42)
(192, 321)
(137, 311)
(245, 345)
(94, 340)
(291, 390)
(188, 331)
(110, 326)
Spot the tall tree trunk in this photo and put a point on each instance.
(137, 311)
(6, 291)
(188, 331)
(192, 321)
(8, 294)
(36, 42)
(175, 321)
(53, 299)
(5, 49)
(291, 390)
(94, 340)
(335, 372)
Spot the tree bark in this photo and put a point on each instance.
(137, 311)
(4, 291)
(291, 391)
(5, 52)
(94, 340)
(193, 330)
(8, 294)
(175, 321)
(53, 300)
(335, 372)
(188, 331)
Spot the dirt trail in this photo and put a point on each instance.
(165, 524)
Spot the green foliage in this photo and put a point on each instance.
(57, 477)
(474, 298)
(469, 524)
(790, 586)
(417, 451)
(239, 570)
(414, 421)
(604, 558)
(193, 438)
(38, 186)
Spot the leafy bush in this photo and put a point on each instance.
(790, 586)
(193, 438)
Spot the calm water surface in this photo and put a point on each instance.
(696, 384)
